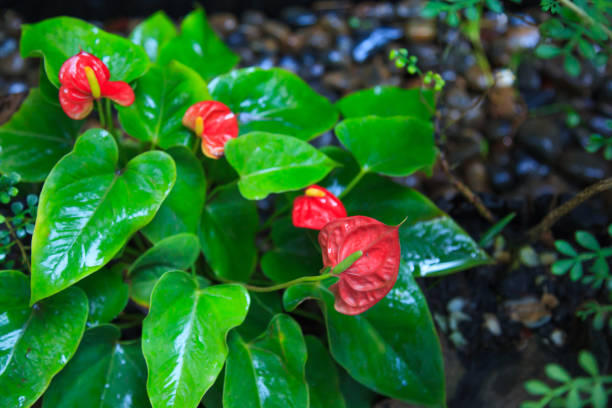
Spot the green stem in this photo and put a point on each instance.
(303, 279)
(583, 14)
(101, 113)
(109, 115)
(353, 182)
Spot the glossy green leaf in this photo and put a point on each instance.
(227, 234)
(199, 47)
(163, 95)
(388, 101)
(264, 306)
(38, 341)
(177, 252)
(269, 371)
(57, 39)
(322, 377)
(88, 209)
(275, 101)
(107, 293)
(294, 254)
(184, 337)
(270, 163)
(432, 243)
(35, 138)
(182, 209)
(153, 33)
(392, 348)
(104, 372)
(396, 146)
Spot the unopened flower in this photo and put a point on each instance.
(372, 276)
(215, 123)
(84, 78)
(316, 208)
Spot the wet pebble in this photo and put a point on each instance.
(502, 178)
(375, 40)
(419, 30)
(224, 23)
(528, 77)
(584, 167)
(542, 137)
(298, 16)
(522, 37)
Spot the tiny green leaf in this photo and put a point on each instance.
(536, 387)
(588, 363)
(587, 240)
(557, 373)
(547, 51)
(565, 248)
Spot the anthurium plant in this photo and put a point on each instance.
(155, 277)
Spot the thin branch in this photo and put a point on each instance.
(465, 190)
(24, 254)
(568, 206)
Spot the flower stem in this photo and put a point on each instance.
(109, 115)
(353, 182)
(303, 279)
(25, 260)
(101, 115)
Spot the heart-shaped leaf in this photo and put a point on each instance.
(199, 47)
(182, 209)
(38, 341)
(396, 146)
(153, 33)
(105, 372)
(269, 371)
(184, 337)
(432, 244)
(275, 101)
(107, 293)
(227, 234)
(88, 209)
(177, 252)
(163, 95)
(57, 39)
(392, 348)
(270, 163)
(388, 101)
(35, 138)
(322, 376)
(294, 254)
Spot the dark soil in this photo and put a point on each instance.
(499, 324)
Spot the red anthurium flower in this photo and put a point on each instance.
(372, 276)
(316, 208)
(215, 123)
(84, 77)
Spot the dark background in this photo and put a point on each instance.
(34, 10)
